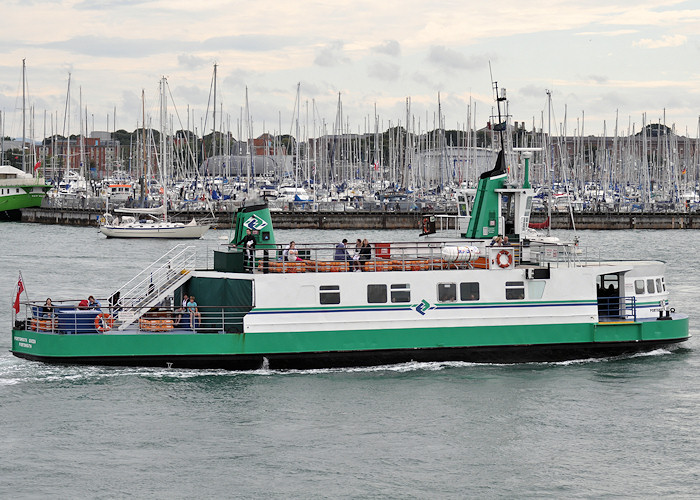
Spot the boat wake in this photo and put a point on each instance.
(654, 353)
(13, 372)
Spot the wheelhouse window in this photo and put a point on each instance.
(400, 292)
(608, 285)
(659, 289)
(447, 292)
(639, 287)
(376, 294)
(515, 290)
(329, 294)
(650, 286)
(469, 291)
(663, 284)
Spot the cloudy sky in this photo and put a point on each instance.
(601, 60)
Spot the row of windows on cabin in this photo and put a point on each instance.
(401, 292)
(650, 288)
(9, 191)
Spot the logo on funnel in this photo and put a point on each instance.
(255, 223)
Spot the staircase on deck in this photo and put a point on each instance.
(148, 288)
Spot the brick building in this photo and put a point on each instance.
(101, 154)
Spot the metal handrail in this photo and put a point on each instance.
(618, 308)
(148, 284)
(207, 319)
(75, 320)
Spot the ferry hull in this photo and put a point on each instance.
(304, 350)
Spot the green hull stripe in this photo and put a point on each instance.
(52, 345)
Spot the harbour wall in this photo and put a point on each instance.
(379, 220)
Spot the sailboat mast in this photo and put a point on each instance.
(550, 162)
(24, 108)
(143, 145)
(2, 141)
(297, 161)
(213, 128)
(67, 128)
(163, 147)
(82, 137)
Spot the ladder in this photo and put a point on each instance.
(150, 287)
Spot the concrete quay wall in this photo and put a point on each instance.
(379, 220)
(632, 220)
(222, 220)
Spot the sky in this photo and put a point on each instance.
(607, 63)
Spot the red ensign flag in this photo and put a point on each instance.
(20, 289)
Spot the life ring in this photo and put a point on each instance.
(508, 261)
(103, 322)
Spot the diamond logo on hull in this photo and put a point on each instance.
(422, 307)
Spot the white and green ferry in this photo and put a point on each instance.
(435, 299)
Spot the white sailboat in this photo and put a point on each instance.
(152, 222)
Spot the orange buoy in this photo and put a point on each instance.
(104, 322)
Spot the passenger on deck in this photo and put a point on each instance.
(355, 263)
(505, 241)
(93, 303)
(291, 254)
(180, 310)
(248, 244)
(194, 312)
(47, 310)
(496, 241)
(365, 252)
(341, 252)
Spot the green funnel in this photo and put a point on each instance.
(256, 218)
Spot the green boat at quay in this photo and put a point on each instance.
(19, 190)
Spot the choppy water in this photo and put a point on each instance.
(623, 427)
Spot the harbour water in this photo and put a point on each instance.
(622, 427)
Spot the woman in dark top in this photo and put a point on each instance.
(47, 310)
(365, 251)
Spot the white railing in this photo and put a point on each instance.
(67, 318)
(396, 256)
